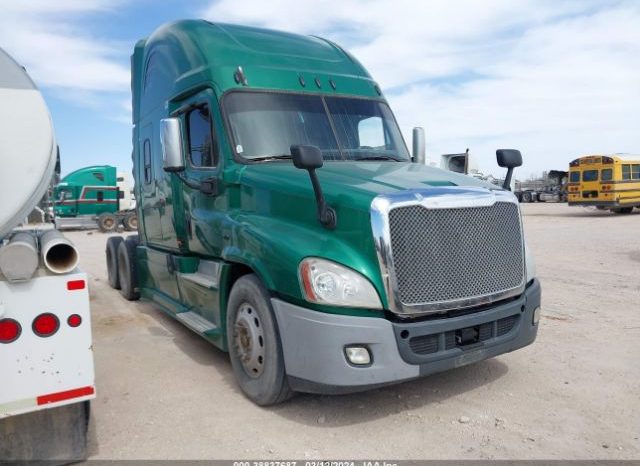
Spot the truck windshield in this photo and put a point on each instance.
(266, 125)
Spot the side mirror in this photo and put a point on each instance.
(419, 146)
(309, 158)
(171, 140)
(509, 158)
(306, 157)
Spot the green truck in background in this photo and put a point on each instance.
(283, 219)
(94, 196)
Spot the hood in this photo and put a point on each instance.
(356, 182)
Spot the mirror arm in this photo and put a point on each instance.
(326, 215)
(507, 179)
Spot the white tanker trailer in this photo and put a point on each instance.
(46, 358)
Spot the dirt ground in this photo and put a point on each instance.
(163, 392)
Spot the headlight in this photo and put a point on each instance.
(530, 263)
(325, 282)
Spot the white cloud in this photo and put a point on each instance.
(555, 79)
(44, 36)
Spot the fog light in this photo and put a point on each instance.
(358, 355)
(536, 315)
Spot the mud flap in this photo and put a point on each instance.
(52, 437)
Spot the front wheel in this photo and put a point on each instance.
(254, 344)
(623, 210)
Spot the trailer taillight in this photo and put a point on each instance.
(9, 330)
(74, 320)
(45, 325)
(75, 285)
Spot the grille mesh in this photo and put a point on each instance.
(452, 254)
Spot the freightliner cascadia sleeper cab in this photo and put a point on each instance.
(284, 220)
(96, 196)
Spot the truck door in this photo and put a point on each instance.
(199, 212)
(199, 215)
(150, 202)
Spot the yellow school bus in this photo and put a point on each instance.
(605, 181)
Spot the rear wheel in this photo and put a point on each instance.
(112, 261)
(254, 344)
(127, 269)
(130, 221)
(107, 223)
(526, 197)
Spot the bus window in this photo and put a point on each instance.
(590, 175)
(635, 172)
(606, 174)
(626, 172)
(575, 177)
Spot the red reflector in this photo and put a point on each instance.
(61, 396)
(10, 330)
(45, 325)
(74, 320)
(75, 285)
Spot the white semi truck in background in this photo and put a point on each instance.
(46, 356)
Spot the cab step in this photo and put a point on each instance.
(196, 322)
(207, 275)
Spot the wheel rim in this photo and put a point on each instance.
(248, 340)
(108, 223)
(133, 222)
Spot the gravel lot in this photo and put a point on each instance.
(163, 392)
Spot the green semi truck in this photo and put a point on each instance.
(283, 219)
(94, 196)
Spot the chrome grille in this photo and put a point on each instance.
(455, 254)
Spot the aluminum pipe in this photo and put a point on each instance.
(59, 255)
(19, 257)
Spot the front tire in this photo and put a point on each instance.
(526, 197)
(623, 210)
(255, 349)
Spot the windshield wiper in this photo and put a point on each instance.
(267, 158)
(379, 157)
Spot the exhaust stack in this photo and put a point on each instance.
(59, 255)
(19, 258)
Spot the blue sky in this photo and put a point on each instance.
(556, 79)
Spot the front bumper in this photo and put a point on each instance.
(313, 343)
